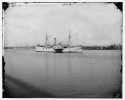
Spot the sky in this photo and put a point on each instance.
(94, 23)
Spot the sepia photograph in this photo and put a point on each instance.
(62, 49)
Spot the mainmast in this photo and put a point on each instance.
(46, 40)
(69, 42)
(69, 38)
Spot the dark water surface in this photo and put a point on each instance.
(93, 73)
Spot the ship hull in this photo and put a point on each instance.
(44, 49)
(64, 50)
(58, 50)
(72, 50)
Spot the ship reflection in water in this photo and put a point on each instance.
(91, 74)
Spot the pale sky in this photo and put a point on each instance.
(94, 23)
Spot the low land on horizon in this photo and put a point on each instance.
(111, 47)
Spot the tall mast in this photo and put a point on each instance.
(69, 37)
(46, 39)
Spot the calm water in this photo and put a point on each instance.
(93, 73)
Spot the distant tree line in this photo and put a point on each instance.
(21, 47)
(110, 47)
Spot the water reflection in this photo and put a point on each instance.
(67, 74)
(69, 65)
(55, 70)
(46, 65)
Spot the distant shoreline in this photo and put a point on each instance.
(109, 47)
(34, 49)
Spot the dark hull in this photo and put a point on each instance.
(58, 50)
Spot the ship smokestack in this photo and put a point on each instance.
(55, 41)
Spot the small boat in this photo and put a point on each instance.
(58, 47)
(46, 48)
